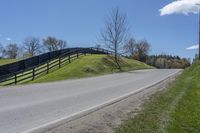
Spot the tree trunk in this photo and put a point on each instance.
(116, 60)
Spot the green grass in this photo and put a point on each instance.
(175, 110)
(90, 65)
(7, 61)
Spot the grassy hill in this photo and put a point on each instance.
(175, 110)
(7, 61)
(90, 65)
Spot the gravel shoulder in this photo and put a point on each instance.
(110, 117)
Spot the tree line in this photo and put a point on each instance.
(168, 61)
(139, 50)
(32, 46)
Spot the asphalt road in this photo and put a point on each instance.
(25, 108)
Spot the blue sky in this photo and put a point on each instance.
(79, 22)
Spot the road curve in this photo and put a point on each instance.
(29, 107)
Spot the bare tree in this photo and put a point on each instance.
(62, 44)
(12, 51)
(32, 46)
(52, 44)
(142, 49)
(114, 34)
(130, 46)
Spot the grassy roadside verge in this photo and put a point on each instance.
(175, 110)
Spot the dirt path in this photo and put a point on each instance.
(108, 118)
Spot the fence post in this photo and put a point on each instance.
(69, 59)
(59, 62)
(24, 65)
(77, 55)
(33, 74)
(47, 67)
(15, 78)
(38, 59)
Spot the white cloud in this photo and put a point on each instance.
(181, 7)
(193, 47)
(8, 39)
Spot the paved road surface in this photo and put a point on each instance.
(23, 108)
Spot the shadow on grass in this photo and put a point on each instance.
(110, 62)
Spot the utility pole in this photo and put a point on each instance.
(199, 32)
(198, 6)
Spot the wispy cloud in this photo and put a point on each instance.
(193, 47)
(8, 39)
(181, 7)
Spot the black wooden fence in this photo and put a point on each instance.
(30, 68)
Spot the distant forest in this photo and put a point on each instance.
(167, 61)
(139, 50)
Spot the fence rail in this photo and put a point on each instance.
(30, 68)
